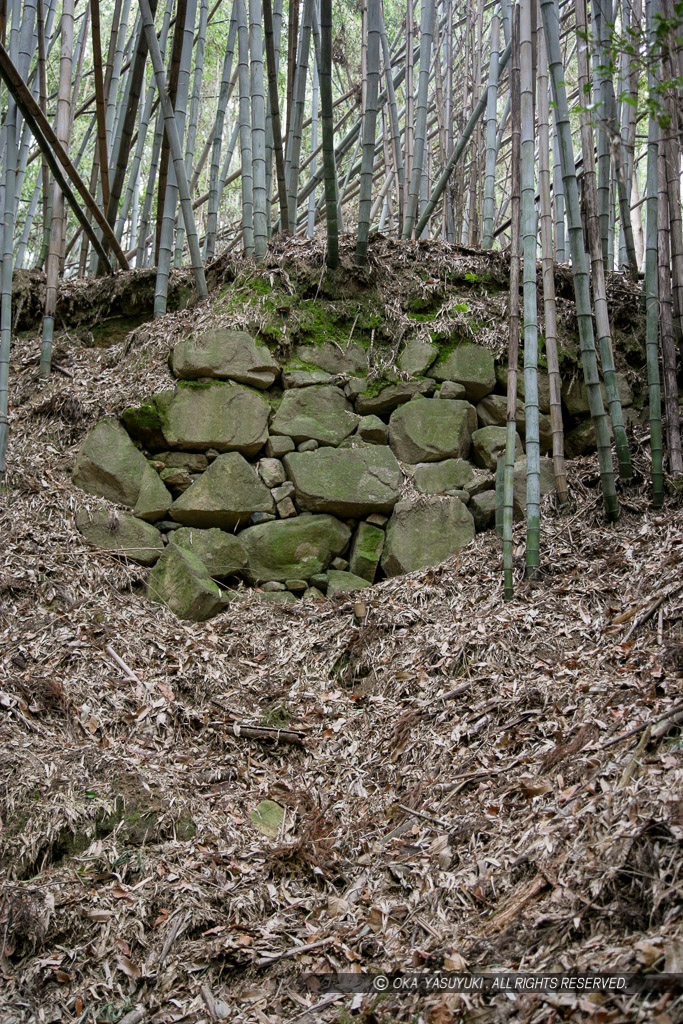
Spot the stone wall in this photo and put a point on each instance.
(303, 479)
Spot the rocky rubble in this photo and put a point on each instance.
(300, 479)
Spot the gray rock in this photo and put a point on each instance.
(109, 464)
(296, 586)
(296, 548)
(177, 478)
(348, 482)
(261, 517)
(313, 594)
(321, 414)
(307, 446)
(391, 397)
(225, 354)
(334, 358)
(469, 365)
(373, 430)
(143, 422)
(575, 394)
(285, 490)
(168, 526)
(492, 411)
(224, 496)
(483, 509)
(425, 532)
(276, 447)
(181, 582)
(340, 582)
(438, 477)
(193, 462)
(286, 508)
(154, 499)
(283, 597)
(226, 417)
(273, 587)
(220, 552)
(295, 378)
(122, 534)
(416, 357)
(377, 520)
(339, 565)
(271, 472)
(489, 442)
(450, 389)
(432, 430)
(319, 580)
(366, 551)
(519, 495)
(457, 492)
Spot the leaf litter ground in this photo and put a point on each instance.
(472, 784)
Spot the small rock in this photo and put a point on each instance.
(261, 517)
(451, 389)
(285, 490)
(178, 478)
(458, 493)
(286, 508)
(377, 520)
(341, 582)
(489, 442)
(296, 586)
(211, 454)
(319, 580)
(282, 597)
(193, 462)
(271, 472)
(277, 446)
(313, 594)
(273, 586)
(439, 477)
(154, 500)
(293, 378)
(307, 446)
(355, 386)
(366, 551)
(372, 429)
(339, 565)
(167, 525)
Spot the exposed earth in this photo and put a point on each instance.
(415, 777)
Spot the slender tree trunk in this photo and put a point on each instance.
(579, 261)
(369, 132)
(58, 226)
(666, 324)
(513, 341)
(275, 113)
(212, 210)
(327, 124)
(651, 290)
(549, 305)
(258, 128)
(426, 36)
(491, 118)
(245, 129)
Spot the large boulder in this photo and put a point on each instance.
(224, 496)
(519, 494)
(366, 551)
(144, 422)
(226, 417)
(432, 429)
(438, 477)
(154, 498)
(109, 464)
(332, 358)
(221, 553)
(416, 357)
(226, 354)
(470, 365)
(489, 442)
(296, 548)
(122, 534)
(424, 532)
(319, 414)
(391, 396)
(492, 412)
(181, 582)
(348, 482)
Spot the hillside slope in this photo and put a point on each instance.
(461, 783)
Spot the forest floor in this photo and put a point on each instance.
(463, 784)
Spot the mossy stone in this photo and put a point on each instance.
(344, 582)
(226, 417)
(144, 421)
(220, 552)
(321, 414)
(224, 496)
(424, 532)
(366, 551)
(347, 482)
(489, 442)
(432, 430)
(109, 464)
(438, 477)
(180, 581)
(416, 357)
(121, 534)
(154, 498)
(225, 354)
(297, 548)
(470, 365)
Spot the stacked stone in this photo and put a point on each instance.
(291, 478)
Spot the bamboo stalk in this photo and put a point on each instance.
(651, 290)
(369, 131)
(258, 128)
(491, 109)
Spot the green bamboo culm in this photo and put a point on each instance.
(551, 28)
(369, 132)
(329, 163)
(513, 310)
(245, 130)
(528, 230)
(491, 107)
(258, 128)
(426, 38)
(219, 122)
(651, 288)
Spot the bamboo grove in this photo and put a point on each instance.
(156, 133)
